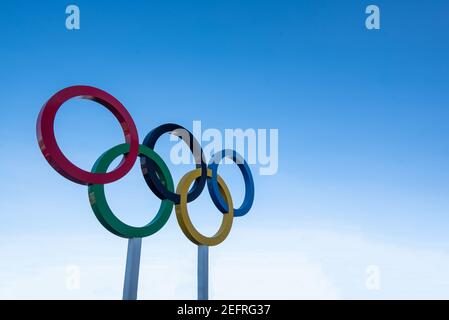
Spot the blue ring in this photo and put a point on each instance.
(212, 183)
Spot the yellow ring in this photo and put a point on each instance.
(182, 213)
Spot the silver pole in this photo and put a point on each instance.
(203, 273)
(132, 269)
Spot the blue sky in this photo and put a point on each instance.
(362, 119)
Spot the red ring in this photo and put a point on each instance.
(54, 155)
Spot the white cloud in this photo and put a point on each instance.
(251, 264)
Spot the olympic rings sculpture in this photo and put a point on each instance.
(155, 172)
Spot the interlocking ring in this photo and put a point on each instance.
(149, 170)
(100, 205)
(52, 152)
(212, 184)
(154, 169)
(182, 213)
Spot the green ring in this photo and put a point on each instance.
(103, 212)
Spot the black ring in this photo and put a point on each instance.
(150, 171)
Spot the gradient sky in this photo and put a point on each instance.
(363, 144)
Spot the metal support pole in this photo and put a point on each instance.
(203, 273)
(132, 269)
